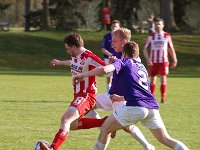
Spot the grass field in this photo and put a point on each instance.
(34, 96)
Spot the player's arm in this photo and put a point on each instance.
(117, 98)
(103, 48)
(98, 71)
(146, 53)
(56, 62)
(173, 56)
(106, 52)
(172, 53)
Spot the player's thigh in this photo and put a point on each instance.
(83, 103)
(164, 69)
(128, 115)
(153, 120)
(103, 101)
(110, 125)
(70, 115)
(153, 70)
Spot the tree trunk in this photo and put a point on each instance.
(167, 13)
(27, 15)
(45, 15)
(17, 12)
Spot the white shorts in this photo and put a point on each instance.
(106, 60)
(104, 102)
(128, 115)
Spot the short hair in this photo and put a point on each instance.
(74, 39)
(158, 19)
(131, 49)
(116, 21)
(123, 33)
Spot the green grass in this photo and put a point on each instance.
(34, 96)
(32, 103)
(34, 50)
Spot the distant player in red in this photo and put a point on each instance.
(105, 13)
(82, 60)
(161, 44)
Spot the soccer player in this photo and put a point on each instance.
(82, 60)
(141, 104)
(161, 44)
(108, 50)
(120, 37)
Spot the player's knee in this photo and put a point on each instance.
(65, 120)
(105, 129)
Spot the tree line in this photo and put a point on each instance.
(58, 11)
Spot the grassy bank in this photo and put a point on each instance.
(33, 50)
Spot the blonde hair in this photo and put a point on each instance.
(123, 33)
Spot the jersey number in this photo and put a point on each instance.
(143, 79)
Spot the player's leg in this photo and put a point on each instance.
(164, 71)
(163, 87)
(92, 114)
(153, 72)
(137, 134)
(68, 117)
(110, 125)
(121, 118)
(133, 130)
(84, 107)
(163, 137)
(155, 124)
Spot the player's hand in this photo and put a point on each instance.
(55, 62)
(173, 64)
(77, 79)
(149, 62)
(112, 59)
(115, 98)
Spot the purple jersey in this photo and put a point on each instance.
(107, 44)
(114, 89)
(134, 84)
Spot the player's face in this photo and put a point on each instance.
(117, 43)
(115, 26)
(71, 50)
(159, 26)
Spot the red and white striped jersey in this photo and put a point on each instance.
(84, 62)
(159, 46)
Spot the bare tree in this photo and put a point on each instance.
(167, 13)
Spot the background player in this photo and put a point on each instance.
(161, 44)
(82, 60)
(141, 104)
(108, 50)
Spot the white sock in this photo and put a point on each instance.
(100, 146)
(180, 146)
(137, 134)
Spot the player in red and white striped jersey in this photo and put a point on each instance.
(82, 60)
(160, 43)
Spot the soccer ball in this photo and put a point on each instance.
(37, 144)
